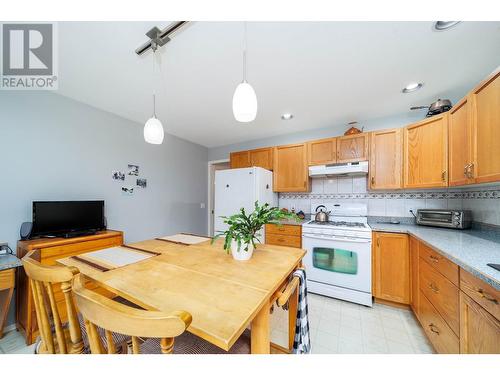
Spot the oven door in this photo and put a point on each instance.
(343, 262)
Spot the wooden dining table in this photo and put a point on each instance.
(223, 295)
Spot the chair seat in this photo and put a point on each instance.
(187, 343)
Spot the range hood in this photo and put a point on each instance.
(341, 169)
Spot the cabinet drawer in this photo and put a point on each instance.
(278, 239)
(7, 279)
(443, 265)
(484, 294)
(288, 230)
(50, 255)
(441, 293)
(441, 336)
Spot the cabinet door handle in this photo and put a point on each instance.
(373, 180)
(466, 170)
(434, 258)
(434, 329)
(443, 176)
(470, 169)
(487, 296)
(378, 242)
(433, 287)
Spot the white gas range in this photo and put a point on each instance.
(338, 258)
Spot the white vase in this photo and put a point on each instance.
(241, 253)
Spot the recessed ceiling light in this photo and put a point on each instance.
(412, 87)
(286, 116)
(445, 25)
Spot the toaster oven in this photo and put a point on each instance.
(458, 219)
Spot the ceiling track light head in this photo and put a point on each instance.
(159, 38)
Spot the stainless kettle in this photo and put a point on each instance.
(321, 215)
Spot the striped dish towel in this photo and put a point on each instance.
(302, 341)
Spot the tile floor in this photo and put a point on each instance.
(13, 343)
(342, 327)
(336, 327)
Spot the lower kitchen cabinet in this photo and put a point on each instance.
(284, 235)
(458, 311)
(479, 330)
(391, 267)
(437, 330)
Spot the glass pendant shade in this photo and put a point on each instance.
(153, 131)
(244, 103)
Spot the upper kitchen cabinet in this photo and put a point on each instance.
(460, 144)
(239, 159)
(262, 157)
(485, 103)
(386, 155)
(352, 148)
(290, 168)
(323, 151)
(426, 153)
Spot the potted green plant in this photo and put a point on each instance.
(243, 229)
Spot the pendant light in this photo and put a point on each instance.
(153, 129)
(244, 98)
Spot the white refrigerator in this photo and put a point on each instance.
(241, 187)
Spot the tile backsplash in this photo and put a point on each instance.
(484, 201)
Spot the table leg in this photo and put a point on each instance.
(261, 337)
(292, 317)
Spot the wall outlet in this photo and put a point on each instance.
(202, 205)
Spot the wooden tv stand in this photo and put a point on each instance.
(49, 250)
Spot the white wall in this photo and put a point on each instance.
(54, 148)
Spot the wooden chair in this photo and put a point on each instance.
(68, 338)
(152, 332)
(56, 335)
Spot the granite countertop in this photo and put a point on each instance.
(470, 249)
(294, 222)
(9, 261)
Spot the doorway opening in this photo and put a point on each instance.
(215, 165)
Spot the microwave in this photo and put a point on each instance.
(458, 219)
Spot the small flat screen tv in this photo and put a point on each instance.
(51, 218)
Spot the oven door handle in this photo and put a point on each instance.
(344, 239)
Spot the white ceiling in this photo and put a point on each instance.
(325, 73)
